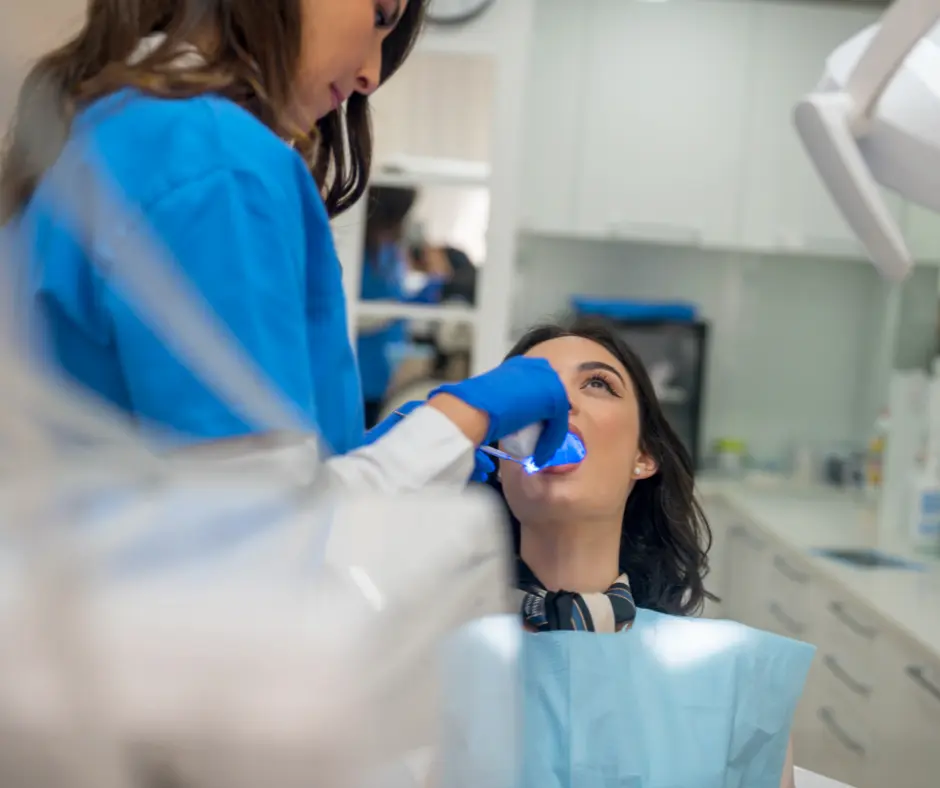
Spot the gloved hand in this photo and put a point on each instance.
(519, 392)
(483, 463)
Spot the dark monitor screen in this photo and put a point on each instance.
(674, 355)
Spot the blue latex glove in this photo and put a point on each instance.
(519, 392)
(483, 463)
(483, 467)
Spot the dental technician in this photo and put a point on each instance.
(236, 130)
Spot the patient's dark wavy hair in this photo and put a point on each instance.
(666, 538)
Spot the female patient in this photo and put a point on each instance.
(623, 687)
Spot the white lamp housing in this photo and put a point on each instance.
(875, 119)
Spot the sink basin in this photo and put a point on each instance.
(866, 558)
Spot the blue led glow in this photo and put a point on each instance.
(572, 451)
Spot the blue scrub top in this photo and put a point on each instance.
(239, 211)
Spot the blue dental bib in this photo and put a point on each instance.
(671, 703)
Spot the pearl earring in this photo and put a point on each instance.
(637, 471)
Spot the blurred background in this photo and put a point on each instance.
(654, 163)
(638, 160)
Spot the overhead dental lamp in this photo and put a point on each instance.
(875, 119)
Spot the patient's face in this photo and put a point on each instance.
(604, 411)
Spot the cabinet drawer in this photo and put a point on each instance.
(907, 727)
(790, 576)
(851, 634)
(849, 693)
(846, 746)
(787, 618)
(747, 576)
(790, 590)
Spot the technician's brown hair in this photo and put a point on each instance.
(252, 61)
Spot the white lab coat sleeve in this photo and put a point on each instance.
(425, 448)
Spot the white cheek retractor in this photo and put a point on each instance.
(522, 443)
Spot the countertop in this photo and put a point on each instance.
(803, 518)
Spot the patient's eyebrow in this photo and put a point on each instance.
(589, 366)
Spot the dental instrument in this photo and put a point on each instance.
(570, 452)
(875, 119)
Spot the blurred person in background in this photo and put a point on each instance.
(387, 276)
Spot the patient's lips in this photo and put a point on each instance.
(565, 460)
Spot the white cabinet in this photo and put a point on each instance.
(784, 204)
(672, 123)
(845, 698)
(749, 558)
(419, 113)
(869, 716)
(554, 117)
(663, 113)
(721, 567)
(907, 730)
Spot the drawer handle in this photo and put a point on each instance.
(843, 675)
(918, 675)
(838, 610)
(829, 720)
(790, 624)
(745, 535)
(789, 572)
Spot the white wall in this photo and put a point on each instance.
(792, 338)
(27, 29)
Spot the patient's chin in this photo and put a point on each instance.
(557, 491)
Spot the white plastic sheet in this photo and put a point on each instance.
(207, 622)
(244, 659)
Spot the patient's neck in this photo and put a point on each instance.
(583, 557)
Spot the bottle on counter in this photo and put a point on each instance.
(874, 461)
(730, 456)
(924, 513)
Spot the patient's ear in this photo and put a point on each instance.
(645, 467)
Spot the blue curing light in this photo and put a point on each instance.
(572, 451)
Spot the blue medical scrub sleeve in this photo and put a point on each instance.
(672, 703)
(241, 215)
(228, 233)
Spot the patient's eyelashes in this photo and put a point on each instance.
(599, 380)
